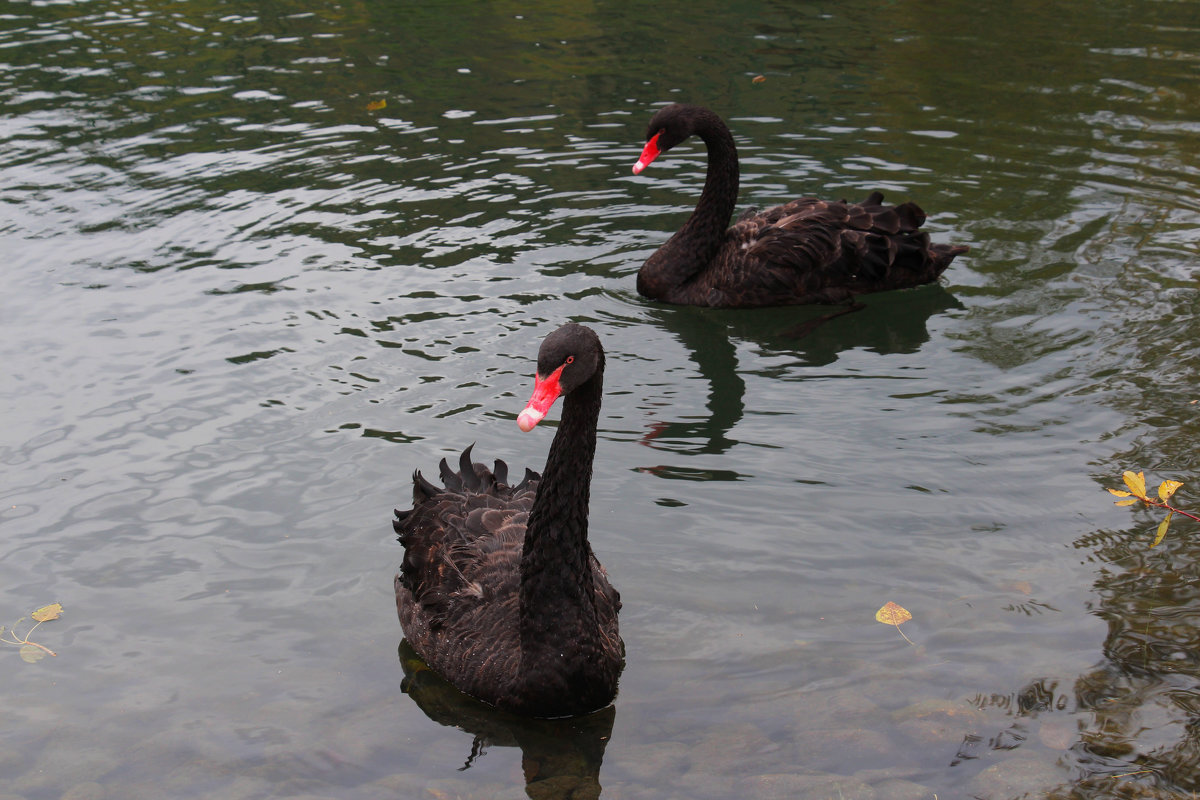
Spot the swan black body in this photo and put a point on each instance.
(807, 251)
(499, 590)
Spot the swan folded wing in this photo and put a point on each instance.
(815, 245)
(465, 558)
(462, 544)
(872, 215)
(782, 247)
(608, 605)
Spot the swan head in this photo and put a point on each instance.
(567, 359)
(669, 126)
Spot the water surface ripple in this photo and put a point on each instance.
(262, 263)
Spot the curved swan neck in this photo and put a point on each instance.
(556, 572)
(720, 193)
(695, 244)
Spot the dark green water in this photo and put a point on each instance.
(240, 308)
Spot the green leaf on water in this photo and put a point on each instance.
(32, 654)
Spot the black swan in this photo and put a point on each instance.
(499, 591)
(807, 251)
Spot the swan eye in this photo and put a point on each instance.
(570, 359)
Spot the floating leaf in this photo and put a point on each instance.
(1119, 493)
(32, 654)
(47, 613)
(758, 79)
(1162, 529)
(376, 105)
(1167, 488)
(1136, 481)
(1128, 502)
(892, 614)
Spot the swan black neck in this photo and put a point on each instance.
(696, 243)
(557, 590)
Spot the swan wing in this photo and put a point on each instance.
(826, 248)
(462, 543)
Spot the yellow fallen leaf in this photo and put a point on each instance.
(1162, 529)
(47, 613)
(1118, 492)
(1136, 481)
(376, 105)
(758, 79)
(1167, 488)
(892, 614)
(1128, 502)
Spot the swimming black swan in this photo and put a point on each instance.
(499, 591)
(808, 251)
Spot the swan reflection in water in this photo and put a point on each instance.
(887, 323)
(559, 757)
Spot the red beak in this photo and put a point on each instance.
(545, 391)
(649, 153)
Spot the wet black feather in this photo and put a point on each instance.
(499, 590)
(450, 479)
(806, 251)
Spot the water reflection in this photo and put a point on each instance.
(560, 757)
(1032, 707)
(237, 303)
(1134, 718)
(889, 322)
(1150, 674)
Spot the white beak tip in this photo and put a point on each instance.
(528, 418)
